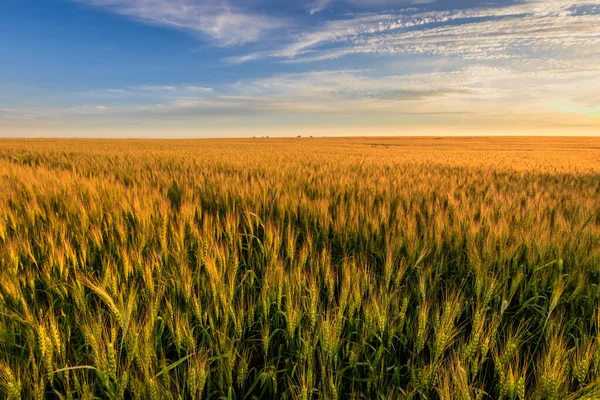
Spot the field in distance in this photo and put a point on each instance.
(305, 268)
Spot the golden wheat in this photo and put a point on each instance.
(300, 268)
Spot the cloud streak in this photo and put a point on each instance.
(521, 93)
(145, 91)
(476, 33)
(223, 23)
(319, 5)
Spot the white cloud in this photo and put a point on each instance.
(198, 89)
(25, 114)
(479, 33)
(522, 89)
(522, 93)
(319, 5)
(85, 110)
(152, 88)
(476, 33)
(224, 23)
(150, 91)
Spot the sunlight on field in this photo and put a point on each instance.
(303, 268)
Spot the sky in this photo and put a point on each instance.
(231, 68)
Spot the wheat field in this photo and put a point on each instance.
(311, 268)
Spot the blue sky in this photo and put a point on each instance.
(198, 68)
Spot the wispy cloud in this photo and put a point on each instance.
(150, 91)
(475, 33)
(226, 24)
(318, 5)
(198, 89)
(522, 91)
(151, 88)
(25, 114)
